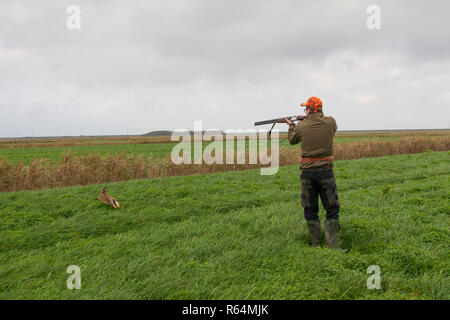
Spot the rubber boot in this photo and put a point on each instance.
(314, 232)
(331, 234)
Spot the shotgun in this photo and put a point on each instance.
(279, 120)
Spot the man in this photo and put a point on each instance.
(316, 133)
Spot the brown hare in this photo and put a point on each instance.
(106, 198)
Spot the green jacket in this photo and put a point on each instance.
(316, 134)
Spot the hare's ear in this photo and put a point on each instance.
(104, 189)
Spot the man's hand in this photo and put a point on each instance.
(288, 121)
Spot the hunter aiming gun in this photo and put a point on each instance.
(279, 120)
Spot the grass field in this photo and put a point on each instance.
(18, 150)
(234, 235)
(156, 150)
(54, 154)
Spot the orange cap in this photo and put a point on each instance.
(314, 103)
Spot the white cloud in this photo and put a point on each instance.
(163, 64)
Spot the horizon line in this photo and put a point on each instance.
(145, 134)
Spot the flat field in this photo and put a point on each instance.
(27, 150)
(156, 150)
(233, 235)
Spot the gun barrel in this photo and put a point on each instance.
(278, 120)
(260, 123)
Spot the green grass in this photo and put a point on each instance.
(234, 235)
(54, 154)
(157, 150)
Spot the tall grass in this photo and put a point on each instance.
(233, 235)
(93, 168)
(8, 143)
(66, 142)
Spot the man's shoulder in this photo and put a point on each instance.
(302, 123)
(316, 118)
(332, 122)
(306, 122)
(330, 119)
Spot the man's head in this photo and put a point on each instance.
(313, 105)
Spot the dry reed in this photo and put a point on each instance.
(93, 168)
(121, 140)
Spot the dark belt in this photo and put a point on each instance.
(327, 158)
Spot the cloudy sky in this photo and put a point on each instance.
(137, 66)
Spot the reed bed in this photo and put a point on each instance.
(30, 143)
(120, 140)
(94, 169)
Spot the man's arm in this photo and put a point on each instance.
(332, 123)
(294, 134)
